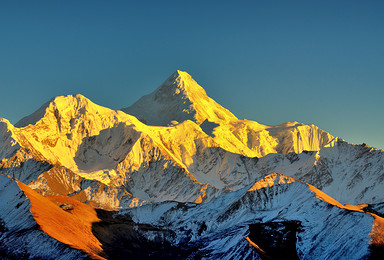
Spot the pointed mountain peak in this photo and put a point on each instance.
(179, 73)
(78, 104)
(179, 98)
(179, 85)
(182, 79)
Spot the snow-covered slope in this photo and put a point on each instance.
(352, 174)
(66, 124)
(252, 139)
(111, 148)
(275, 214)
(8, 140)
(71, 146)
(101, 156)
(185, 181)
(178, 99)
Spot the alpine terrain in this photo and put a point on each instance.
(177, 176)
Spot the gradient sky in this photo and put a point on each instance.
(317, 62)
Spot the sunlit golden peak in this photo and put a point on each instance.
(179, 77)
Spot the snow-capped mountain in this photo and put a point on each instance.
(185, 174)
(178, 99)
(86, 143)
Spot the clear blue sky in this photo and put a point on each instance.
(319, 62)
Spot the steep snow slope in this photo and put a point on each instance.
(206, 163)
(352, 174)
(8, 140)
(51, 179)
(125, 157)
(94, 141)
(66, 123)
(297, 137)
(275, 208)
(252, 139)
(101, 156)
(20, 236)
(112, 160)
(71, 146)
(178, 99)
(60, 181)
(70, 130)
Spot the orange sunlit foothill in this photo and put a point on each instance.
(65, 219)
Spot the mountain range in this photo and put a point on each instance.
(177, 176)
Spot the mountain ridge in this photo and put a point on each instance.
(202, 183)
(113, 149)
(223, 226)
